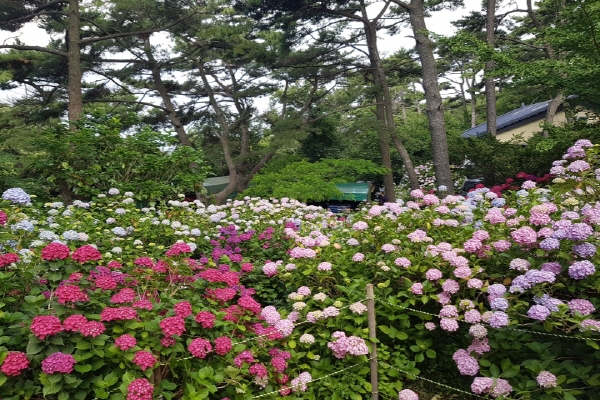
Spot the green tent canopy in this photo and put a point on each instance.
(215, 184)
(358, 191)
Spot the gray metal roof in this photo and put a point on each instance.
(510, 118)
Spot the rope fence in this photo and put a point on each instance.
(266, 335)
(431, 381)
(374, 362)
(313, 380)
(508, 328)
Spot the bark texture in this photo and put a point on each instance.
(75, 74)
(433, 99)
(490, 86)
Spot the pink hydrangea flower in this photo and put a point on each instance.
(222, 345)
(200, 347)
(14, 363)
(45, 325)
(206, 319)
(125, 342)
(172, 326)
(144, 359)
(86, 253)
(183, 309)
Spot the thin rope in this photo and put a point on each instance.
(431, 381)
(314, 380)
(265, 335)
(502, 328)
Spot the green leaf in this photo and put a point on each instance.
(495, 371)
(592, 344)
(51, 389)
(83, 368)
(35, 346)
(505, 364)
(384, 329)
(63, 396)
(54, 378)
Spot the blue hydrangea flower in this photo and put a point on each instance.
(70, 235)
(499, 202)
(48, 235)
(23, 226)
(16, 195)
(119, 231)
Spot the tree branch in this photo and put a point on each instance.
(35, 13)
(34, 48)
(143, 32)
(126, 102)
(342, 14)
(383, 10)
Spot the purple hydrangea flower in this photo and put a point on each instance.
(550, 244)
(584, 250)
(582, 306)
(581, 269)
(496, 290)
(538, 312)
(498, 319)
(499, 304)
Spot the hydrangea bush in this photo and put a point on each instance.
(495, 294)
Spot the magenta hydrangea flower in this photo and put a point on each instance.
(58, 362)
(140, 389)
(14, 363)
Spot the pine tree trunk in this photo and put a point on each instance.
(384, 148)
(552, 109)
(380, 81)
(75, 74)
(435, 112)
(490, 86)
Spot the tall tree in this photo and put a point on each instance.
(416, 10)
(343, 11)
(490, 84)
(66, 16)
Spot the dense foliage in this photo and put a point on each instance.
(102, 153)
(493, 293)
(315, 181)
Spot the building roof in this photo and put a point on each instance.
(511, 117)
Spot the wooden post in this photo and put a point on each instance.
(372, 335)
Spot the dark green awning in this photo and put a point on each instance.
(359, 191)
(215, 184)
